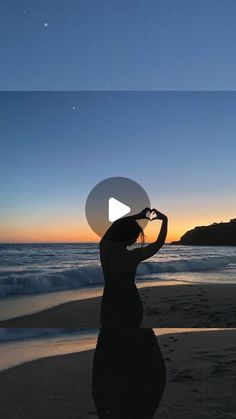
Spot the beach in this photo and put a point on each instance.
(166, 304)
(60, 285)
(193, 314)
(201, 367)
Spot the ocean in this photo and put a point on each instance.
(31, 269)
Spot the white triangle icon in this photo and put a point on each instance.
(117, 209)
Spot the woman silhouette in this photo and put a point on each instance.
(121, 306)
(129, 374)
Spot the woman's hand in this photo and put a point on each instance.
(146, 213)
(143, 214)
(158, 215)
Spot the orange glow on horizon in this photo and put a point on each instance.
(68, 234)
(57, 232)
(53, 234)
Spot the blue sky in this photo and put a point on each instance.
(180, 146)
(117, 44)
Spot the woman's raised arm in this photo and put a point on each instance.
(150, 250)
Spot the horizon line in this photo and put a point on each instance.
(58, 242)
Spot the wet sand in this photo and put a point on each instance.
(201, 377)
(166, 304)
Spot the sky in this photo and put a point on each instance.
(117, 44)
(56, 146)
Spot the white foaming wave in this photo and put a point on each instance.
(188, 265)
(86, 275)
(38, 282)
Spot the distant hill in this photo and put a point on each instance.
(216, 234)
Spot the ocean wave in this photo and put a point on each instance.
(26, 282)
(44, 281)
(187, 265)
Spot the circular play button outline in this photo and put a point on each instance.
(114, 198)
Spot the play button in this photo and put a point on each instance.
(117, 210)
(114, 198)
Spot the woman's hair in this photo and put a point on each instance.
(124, 230)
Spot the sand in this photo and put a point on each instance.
(166, 304)
(201, 378)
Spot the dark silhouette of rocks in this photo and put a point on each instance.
(216, 234)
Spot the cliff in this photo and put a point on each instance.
(216, 234)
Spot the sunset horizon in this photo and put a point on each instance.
(178, 146)
(90, 237)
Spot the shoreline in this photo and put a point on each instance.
(16, 306)
(166, 304)
(201, 367)
(22, 351)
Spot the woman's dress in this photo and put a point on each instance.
(129, 374)
(121, 305)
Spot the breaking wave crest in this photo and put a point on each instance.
(37, 282)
